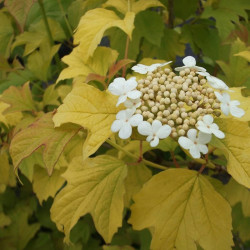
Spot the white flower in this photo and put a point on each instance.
(144, 69)
(129, 103)
(194, 144)
(125, 121)
(208, 127)
(124, 89)
(190, 62)
(214, 82)
(154, 131)
(228, 106)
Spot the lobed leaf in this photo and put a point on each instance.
(184, 210)
(41, 133)
(93, 25)
(236, 147)
(95, 186)
(92, 109)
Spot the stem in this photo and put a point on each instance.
(149, 163)
(204, 165)
(65, 18)
(125, 57)
(140, 157)
(45, 19)
(174, 160)
(171, 13)
(127, 45)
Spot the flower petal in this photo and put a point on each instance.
(149, 138)
(208, 119)
(225, 108)
(125, 131)
(204, 138)
(117, 86)
(116, 125)
(195, 152)
(218, 96)
(203, 148)
(135, 120)
(154, 142)
(164, 131)
(204, 129)
(121, 115)
(156, 125)
(218, 133)
(202, 73)
(145, 128)
(217, 83)
(180, 68)
(201, 69)
(130, 85)
(134, 94)
(185, 142)
(189, 61)
(225, 98)
(121, 99)
(192, 134)
(140, 68)
(236, 112)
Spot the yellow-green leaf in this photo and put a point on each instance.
(184, 210)
(245, 54)
(93, 25)
(46, 186)
(95, 186)
(135, 6)
(234, 193)
(102, 59)
(51, 96)
(4, 220)
(138, 174)
(20, 99)
(41, 133)
(92, 109)
(236, 148)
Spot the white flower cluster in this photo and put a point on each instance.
(165, 104)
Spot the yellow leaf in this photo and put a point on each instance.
(236, 147)
(92, 109)
(245, 54)
(234, 193)
(46, 186)
(4, 220)
(19, 99)
(102, 59)
(95, 186)
(93, 25)
(9, 119)
(184, 210)
(134, 6)
(41, 133)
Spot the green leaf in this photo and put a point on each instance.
(95, 186)
(19, 233)
(41, 133)
(45, 186)
(99, 64)
(236, 70)
(20, 99)
(4, 220)
(226, 13)
(236, 148)
(184, 210)
(6, 35)
(93, 25)
(37, 36)
(184, 9)
(92, 109)
(19, 9)
(234, 193)
(150, 25)
(167, 144)
(51, 96)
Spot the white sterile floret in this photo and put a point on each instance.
(129, 103)
(190, 62)
(154, 131)
(124, 89)
(208, 127)
(228, 106)
(195, 145)
(125, 121)
(144, 69)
